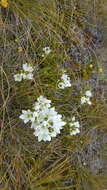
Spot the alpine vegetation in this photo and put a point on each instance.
(65, 81)
(45, 121)
(74, 126)
(26, 73)
(86, 98)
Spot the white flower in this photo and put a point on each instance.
(51, 120)
(74, 127)
(57, 126)
(88, 101)
(64, 77)
(65, 82)
(27, 73)
(61, 85)
(18, 77)
(88, 93)
(43, 134)
(47, 50)
(76, 124)
(43, 100)
(27, 116)
(75, 131)
(41, 103)
(73, 118)
(46, 122)
(28, 76)
(85, 100)
(27, 68)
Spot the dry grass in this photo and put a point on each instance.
(25, 163)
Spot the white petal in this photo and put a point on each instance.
(74, 132)
(27, 68)
(88, 93)
(18, 77)
(73, 118)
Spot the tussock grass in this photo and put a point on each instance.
(25, 163)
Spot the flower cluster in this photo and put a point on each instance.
(74, 126)
(46, 122)
(65, 81)
(46, 50)
(26, 73)
(86, 98)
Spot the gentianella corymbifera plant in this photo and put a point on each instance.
(26, 73)
(44, 119)
(65, 81)
(46, 122)
(86, 98)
